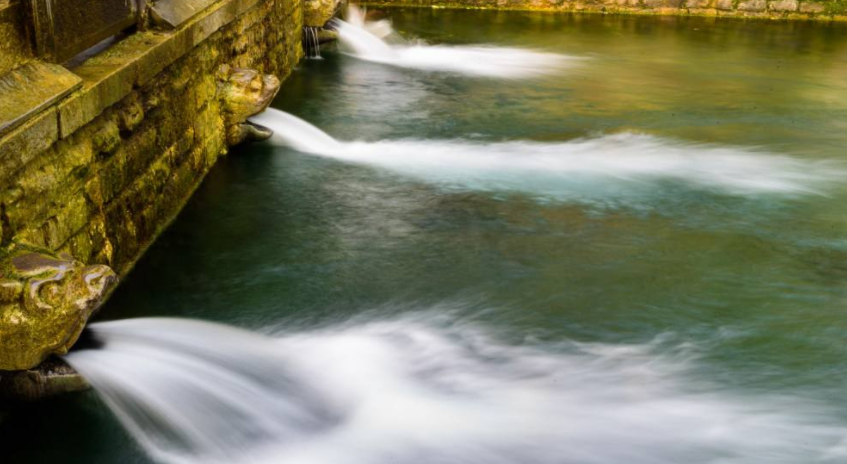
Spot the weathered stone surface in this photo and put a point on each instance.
(46, 310)
(812, 7)
(25, 143)
(173, 13)
(699, 3)
(30, 89)
(244, 93)
(663, 3)
(316, 13)
(725, 5)
(137, 138)
(783, 6)
(15, 46)
(753, 5)
(62, 30)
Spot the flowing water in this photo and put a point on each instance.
(366, 41)
(640, 257)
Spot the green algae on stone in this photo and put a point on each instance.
(316, 13)
(244, 93)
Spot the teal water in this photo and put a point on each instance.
(744, 291)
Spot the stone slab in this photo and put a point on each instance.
(27, 142)
(110, 76)
(170, 14)
(30, 89)
(64, 28)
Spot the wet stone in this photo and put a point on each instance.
(30, 89)
(784, 5)
(753, 5)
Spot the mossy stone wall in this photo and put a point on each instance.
(101, 184)
(827, 10)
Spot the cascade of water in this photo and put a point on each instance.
(405, 392)
(364, 40)
(586, 169)
(313, 44)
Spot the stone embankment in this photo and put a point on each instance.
(825, 10)
(111, 114)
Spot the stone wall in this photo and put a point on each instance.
(100, 173)
(771, 9)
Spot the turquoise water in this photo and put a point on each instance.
(738, 292)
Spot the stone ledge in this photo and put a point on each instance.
(110, 76)
(23, 144)
(30, 89)
(171, 14)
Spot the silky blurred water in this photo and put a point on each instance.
(750, 286)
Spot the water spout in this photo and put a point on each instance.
(404, 392)
(365, 41)
(626, 167)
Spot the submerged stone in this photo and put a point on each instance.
(45, 301)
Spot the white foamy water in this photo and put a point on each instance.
(403, 391)
(620, 165)
(365, 40)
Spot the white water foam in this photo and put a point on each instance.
(407, 392)
(364, 40)
(621, 165)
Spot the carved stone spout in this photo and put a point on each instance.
(45, 301)
(244, 93)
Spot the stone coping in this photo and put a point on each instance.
(104, 80)
(31, 88)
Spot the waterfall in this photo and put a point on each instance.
(364, 40)
(405, 391)
(313, 44)
(624, 167)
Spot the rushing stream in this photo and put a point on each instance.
(631, 251)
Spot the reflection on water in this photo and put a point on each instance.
(712, 318)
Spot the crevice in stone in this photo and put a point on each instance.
(6, 229)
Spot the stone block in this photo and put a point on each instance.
(25, 143)
(30, 89)
(70, 220)
(725, 5)
(698, 4)
(783, 6)
(812, 7)
(170, 14)
(16, 48)
(70, 27)
(663, 3)
(753, 6)
(316, 13)
(104, 86)
(131, 113)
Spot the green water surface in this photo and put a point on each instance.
(756, 283)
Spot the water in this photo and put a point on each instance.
(312, 43)
(365, 41)
(577, 170)
(408, 390)
(405, 312)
